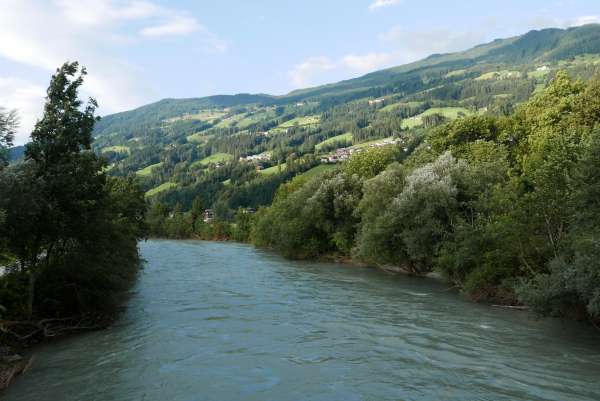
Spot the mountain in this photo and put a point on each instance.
(16, 153)
(233, 151)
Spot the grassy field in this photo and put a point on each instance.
(457, 73)
(393, 106)
(318, 170)
(205, 115)
(539, 88)
(301, 121)
(538, 74)
(161, 188)
(448, 112)
(198, 138)
(147, 171)
(504, 74)
(216, 158)
(347, 137)
(273, 170)
(233, 120)
(116, 149)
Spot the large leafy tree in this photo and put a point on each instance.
(67, 224)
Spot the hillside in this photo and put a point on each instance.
(216, 147)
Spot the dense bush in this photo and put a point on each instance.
(505, 207)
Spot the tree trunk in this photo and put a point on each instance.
(31, 294)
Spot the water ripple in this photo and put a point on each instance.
(212, 321)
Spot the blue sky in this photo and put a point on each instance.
(139, 51)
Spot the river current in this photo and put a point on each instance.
(223, 321)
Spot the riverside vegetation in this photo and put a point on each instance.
(506, 208)
(68, 232)
(491, 181)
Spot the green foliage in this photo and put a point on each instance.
(312, 220)
(8, 125)
(371, 162)
(505, 207)
(72, 230)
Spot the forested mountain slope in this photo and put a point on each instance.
(234, 151)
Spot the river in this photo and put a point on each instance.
(222, 321)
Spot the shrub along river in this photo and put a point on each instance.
(222, 321)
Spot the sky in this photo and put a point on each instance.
(140, 51)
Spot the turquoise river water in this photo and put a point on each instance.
(222, 321)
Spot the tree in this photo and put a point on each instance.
(8, 125)
(69, 226)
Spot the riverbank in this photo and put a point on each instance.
(20, 339)
(12, 364)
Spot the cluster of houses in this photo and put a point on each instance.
(344, 154)
(376, 101)
(257, 158)
(209, 214)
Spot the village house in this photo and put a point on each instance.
(254, 158)
(208, 215)
(343, 154)
(376, 101)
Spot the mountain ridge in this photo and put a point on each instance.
(219, 146)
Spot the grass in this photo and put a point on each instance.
(161, 188)
(273, 170)
(216, 158)
(449, 112)
(198, 138)
(318, 170)
(301, 121)
(539, 88)
(347, 137)
(457, 73)
(504, 74)
(538, 74)
(147, 171)
(116, 149)
(205, 115)
(394, 106)
(228, 122)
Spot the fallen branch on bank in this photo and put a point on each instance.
(516, 307)
(26, 330)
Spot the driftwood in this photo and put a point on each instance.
(25, 330)
(517, 307)
(9, 371)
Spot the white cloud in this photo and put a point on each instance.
(586, 19)
(413, 45)
(93, 32)
(552, 22)
(383, 3)
(27, 98)
(175, 26)
(403, 46)
(367, 62)
(98, 12)
(304, 74)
